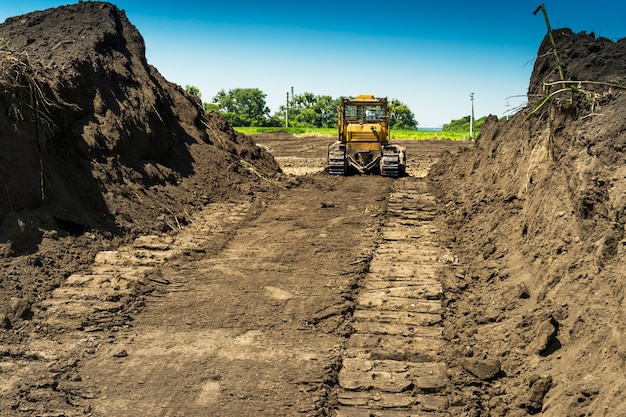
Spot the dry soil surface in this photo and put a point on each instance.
(320, 300)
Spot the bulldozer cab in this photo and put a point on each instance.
(354, 112)
(364, 119)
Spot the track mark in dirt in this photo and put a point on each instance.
(256, 327)
(93, 311)
(96, 300)
(391, 366)
(248, 310)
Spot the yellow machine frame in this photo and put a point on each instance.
(363, 138)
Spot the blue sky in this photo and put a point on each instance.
(431, 55)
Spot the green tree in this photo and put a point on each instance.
(193, 90)
(277, 120)
(243, 106)
(309, 110)
(209, 107)
(463, 124)
(401, 116)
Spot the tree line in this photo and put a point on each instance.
(463, 124)
(245, 107)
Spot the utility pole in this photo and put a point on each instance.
(287, 111)
(472, 117)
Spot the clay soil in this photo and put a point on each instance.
(156, 262)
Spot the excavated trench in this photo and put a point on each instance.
(321, 301)
(243, 291)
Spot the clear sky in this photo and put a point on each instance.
(431, 55)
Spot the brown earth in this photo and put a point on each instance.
(155, 262)
(103, 150)
(536, 215)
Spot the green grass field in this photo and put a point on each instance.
(331, 132)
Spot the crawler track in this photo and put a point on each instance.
(337, 159)
(391, 165)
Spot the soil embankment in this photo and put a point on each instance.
(536, 215)
(98, 148)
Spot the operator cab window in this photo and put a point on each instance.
(360, 112)
(354, 112)
(374, 113)
(351, 113)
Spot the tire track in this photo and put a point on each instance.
(391, 365)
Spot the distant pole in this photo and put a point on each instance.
(292, 96)
(472, 117)
(287, 111)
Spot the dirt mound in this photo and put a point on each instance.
(98, 146)
(539, 210)
(102, 122)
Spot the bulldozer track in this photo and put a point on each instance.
(391, 365)
(95, 300)
(337, 160)
(390, 165)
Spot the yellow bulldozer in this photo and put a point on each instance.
(363, 143)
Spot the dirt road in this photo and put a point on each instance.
(275, 307)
